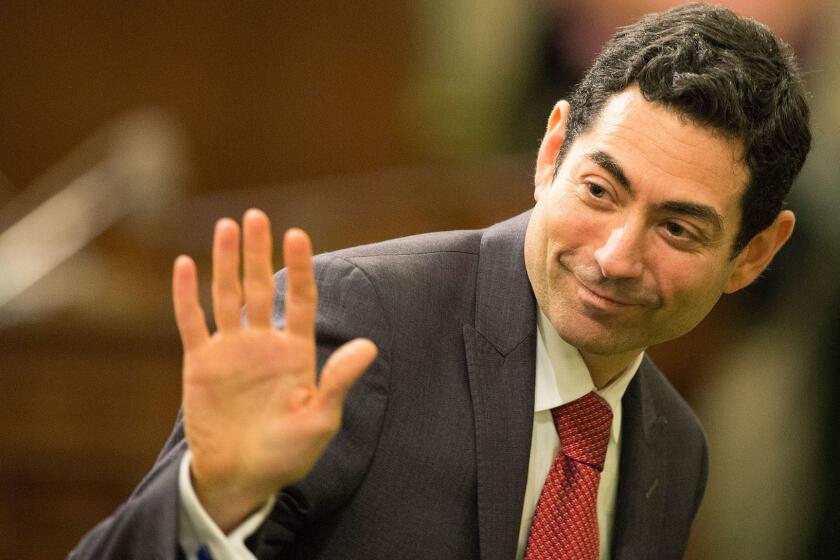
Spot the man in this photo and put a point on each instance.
(506, 407)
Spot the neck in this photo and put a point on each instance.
(604, 369)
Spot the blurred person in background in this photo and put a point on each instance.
(657, 190)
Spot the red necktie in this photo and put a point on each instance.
(565, 524)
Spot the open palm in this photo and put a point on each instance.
(254, 416)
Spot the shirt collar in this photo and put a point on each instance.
(562, 375)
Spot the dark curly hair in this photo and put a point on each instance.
(720, 71)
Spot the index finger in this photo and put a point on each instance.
(301, 293)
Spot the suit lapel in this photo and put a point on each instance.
(501, 352)
(640, 504)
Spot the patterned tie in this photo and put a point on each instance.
(565, 524)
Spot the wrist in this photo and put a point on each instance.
(228, 503)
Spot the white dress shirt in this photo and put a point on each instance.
(561, 377)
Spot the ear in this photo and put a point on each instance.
(555, 134)
(758, 253)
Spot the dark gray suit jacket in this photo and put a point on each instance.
(432, 458)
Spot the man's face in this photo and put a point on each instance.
(630, 244)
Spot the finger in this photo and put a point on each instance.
(227, 291)
(188, 313)
(301, 293)
(343, 368)
(259, 279)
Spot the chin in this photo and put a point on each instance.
(591, 337)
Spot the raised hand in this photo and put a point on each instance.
(254, 416)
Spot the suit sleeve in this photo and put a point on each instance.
(145, 526)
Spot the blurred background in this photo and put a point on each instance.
(129, 128)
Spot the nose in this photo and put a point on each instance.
(621, 255)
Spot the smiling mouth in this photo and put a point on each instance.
(603, 299)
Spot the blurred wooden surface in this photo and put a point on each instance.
(268, 91)
(82, 414)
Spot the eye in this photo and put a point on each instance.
(680, 233)
(596, 190)
(676, 229)
(596, 196)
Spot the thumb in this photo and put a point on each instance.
(343, 368)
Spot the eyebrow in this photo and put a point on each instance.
(605, 160)
(700, 211)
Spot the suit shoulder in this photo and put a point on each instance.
(458, 241)
(409, 277)
(412, 263)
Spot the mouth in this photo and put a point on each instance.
(601, 299)
(598, 299)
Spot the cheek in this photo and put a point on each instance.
(569, 223)
(688, 285)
